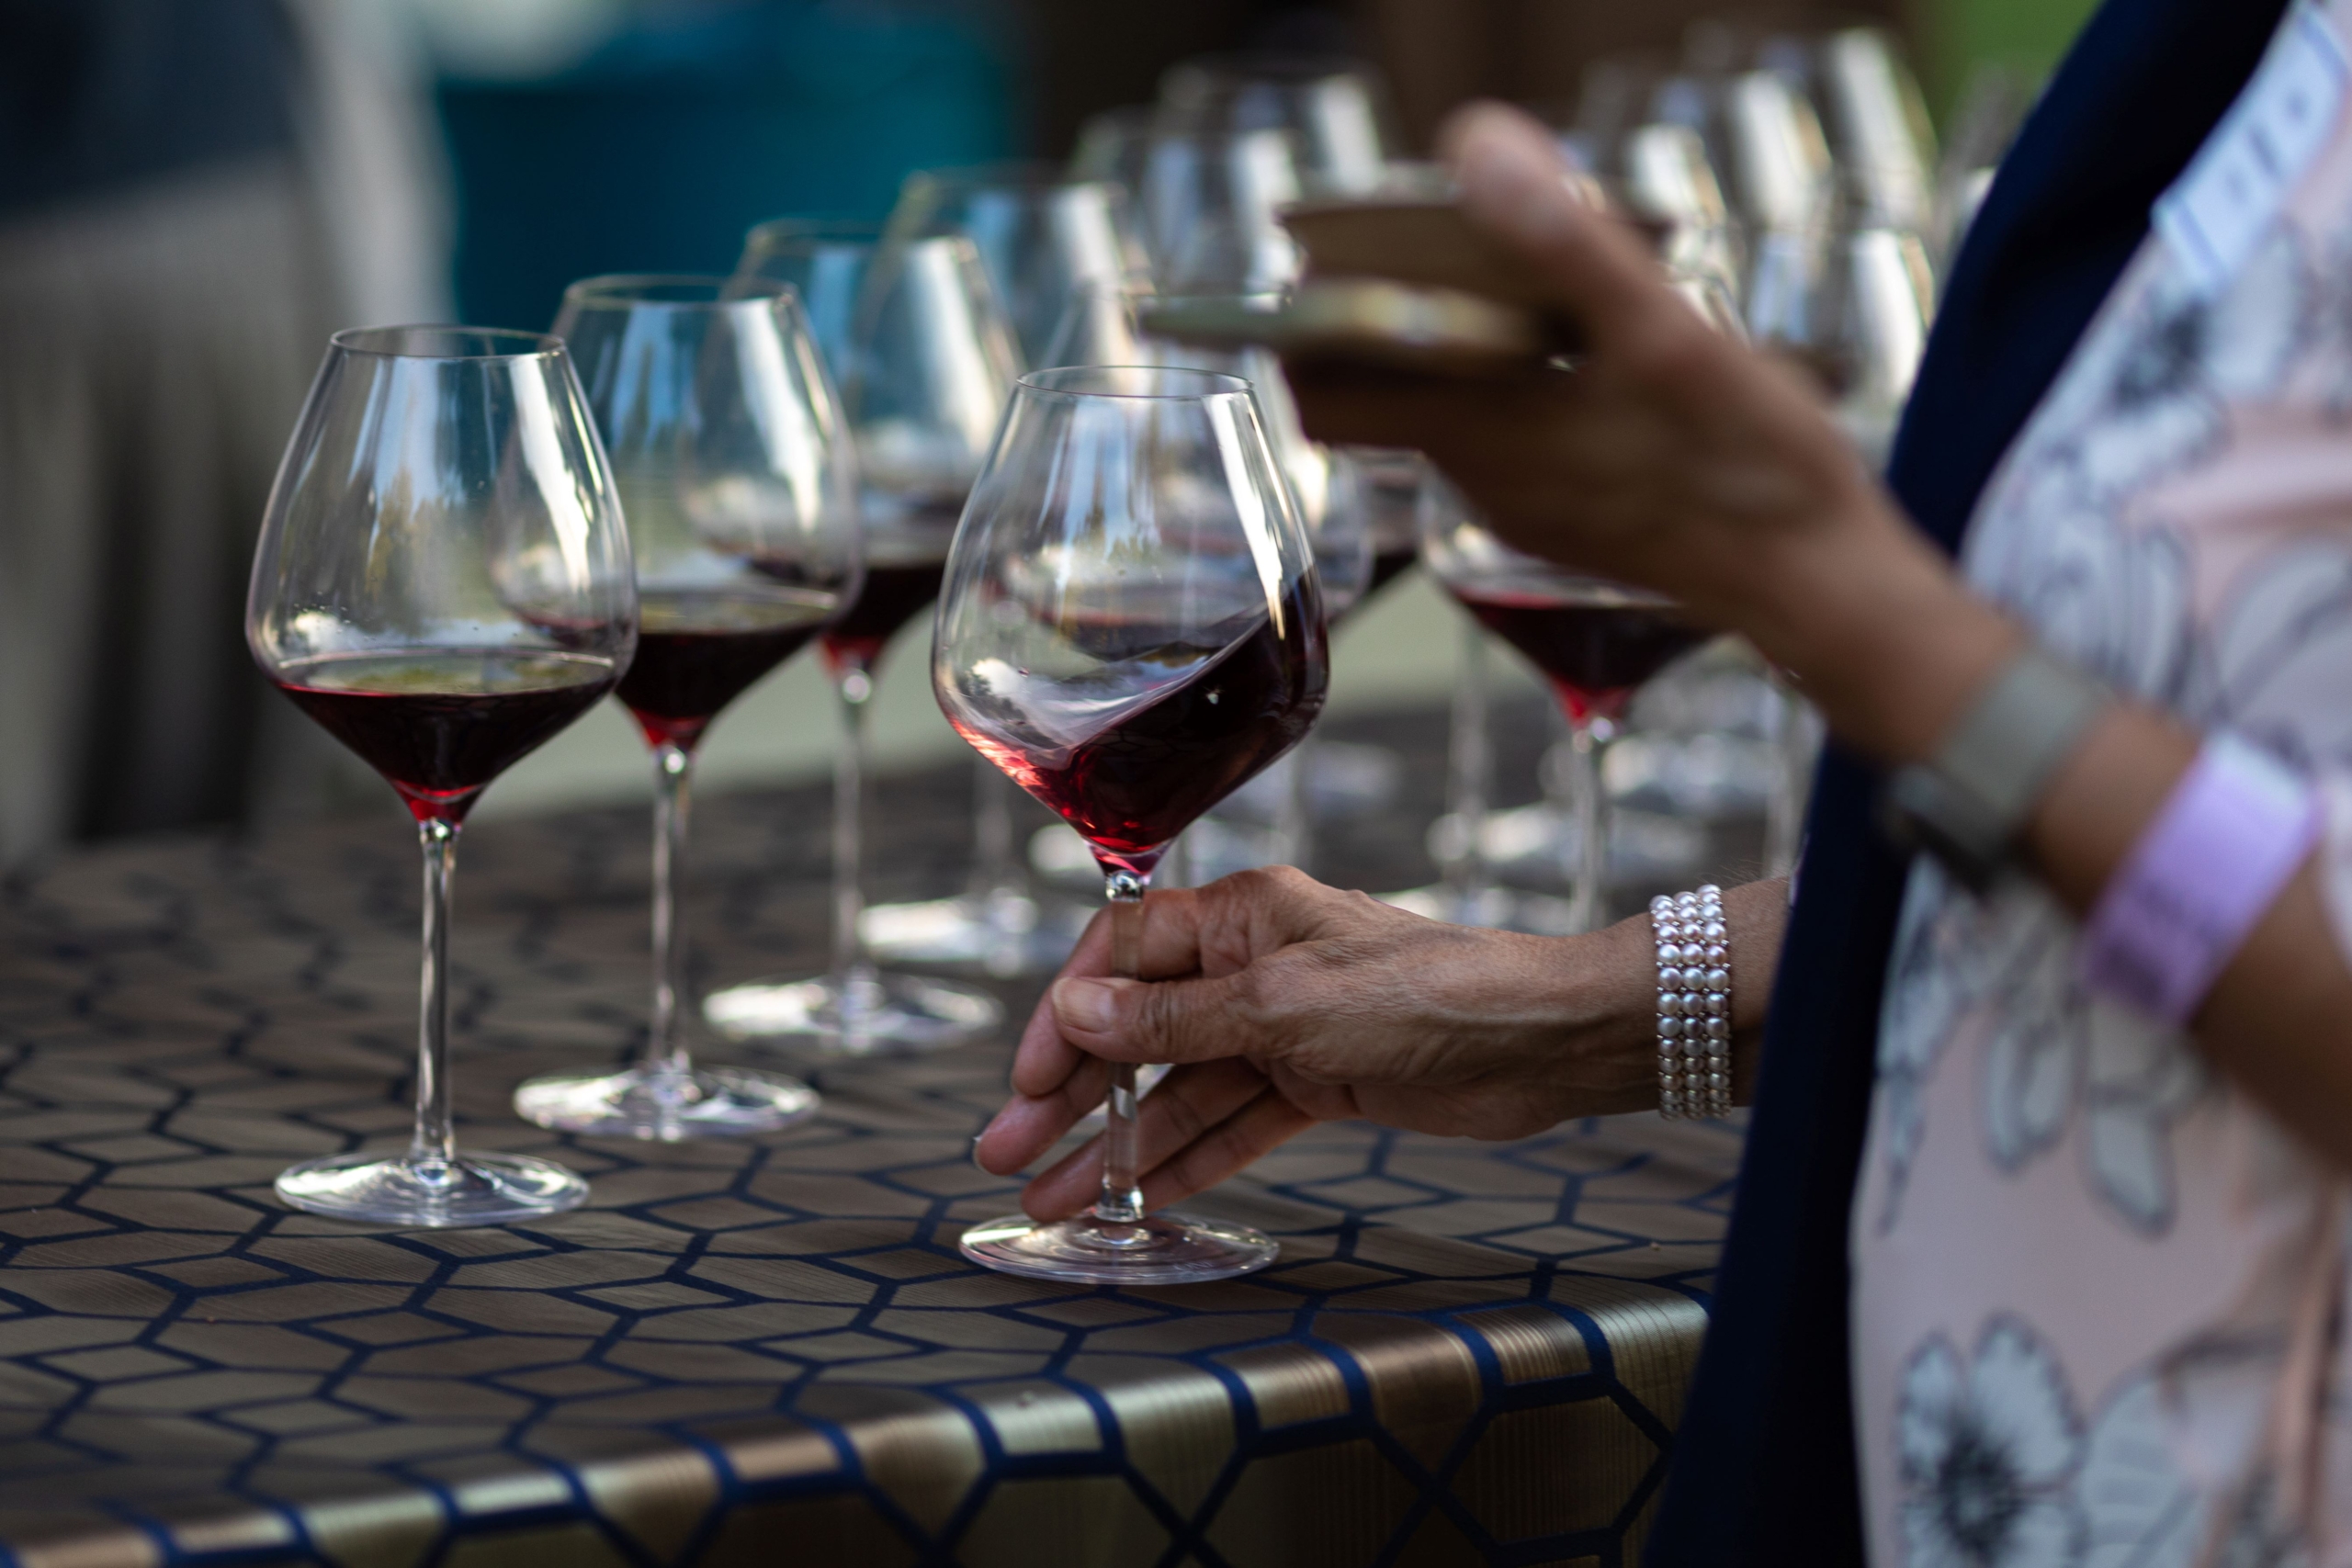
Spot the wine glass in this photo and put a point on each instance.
(924, 367)
(735, 476)
(1131, 629)
(1336, 107)
(442, 584)
(1041, 235)
(1113, 145)
(1595, 641)
(1209, 204)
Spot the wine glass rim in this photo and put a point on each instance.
(785, 234)
(403, 341)
(641, 290)
(1200, 384)
(1011, 173)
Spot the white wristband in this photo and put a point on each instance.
(1693, 1003)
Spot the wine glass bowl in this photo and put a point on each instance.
(1210, 200)
(1131, 629)
(442, 582)
(734, 467)
(1039, 232)
(1336, 107)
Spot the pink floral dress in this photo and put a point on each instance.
(2100, 1293)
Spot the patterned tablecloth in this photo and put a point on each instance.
(740, 1352)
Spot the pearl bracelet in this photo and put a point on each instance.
(1693, 1003)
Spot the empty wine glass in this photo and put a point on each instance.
(443, 583)
(1595, 641)
(1336, 108)
(1209, 204)
(735, 479)
(1112, 145)
(1131, 629)
(1041, 235)
(924, 370)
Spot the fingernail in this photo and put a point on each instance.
(1512, 179)
(1091, 1005)
(983, 1170)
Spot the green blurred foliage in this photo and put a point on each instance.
(1959, 36)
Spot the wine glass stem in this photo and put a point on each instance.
(995, 872)
(665, 1043)
(435, 1142)
(1469, 774)
(1122, 1200)
(856, 687)
(1294, 826)
(1784, 814)
(1588, 903)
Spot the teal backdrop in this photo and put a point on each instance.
(656, 151)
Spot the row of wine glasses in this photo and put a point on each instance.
(469, 546)
(1132, 627)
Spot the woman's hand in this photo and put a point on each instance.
(1676, 457)
(1282, 1002)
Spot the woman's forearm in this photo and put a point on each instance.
(1894, 672)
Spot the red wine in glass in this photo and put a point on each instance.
(440, 725)
(1139, 757)
(894, 594)
(1595, 643)
(698, 650)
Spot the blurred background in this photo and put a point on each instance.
(195, 192)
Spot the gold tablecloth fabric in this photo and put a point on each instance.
(741, 1353)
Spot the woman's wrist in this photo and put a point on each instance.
(1611, 1000)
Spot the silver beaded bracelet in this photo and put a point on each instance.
(1693, 1003)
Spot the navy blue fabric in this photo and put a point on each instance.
(1764, 1465)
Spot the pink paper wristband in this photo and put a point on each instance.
(2236, 828)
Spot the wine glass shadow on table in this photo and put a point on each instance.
(734, 468)
(443, 583)
(924, 357)
(1131, 629)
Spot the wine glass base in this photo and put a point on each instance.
(474, 1190)
(874, 1014)
(723, 1102)
(1006, 936)
(1161, 1249)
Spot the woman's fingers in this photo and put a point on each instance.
(1186, 1105)
(1515, 186)
(1030, 1125)
(1259, 1128)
